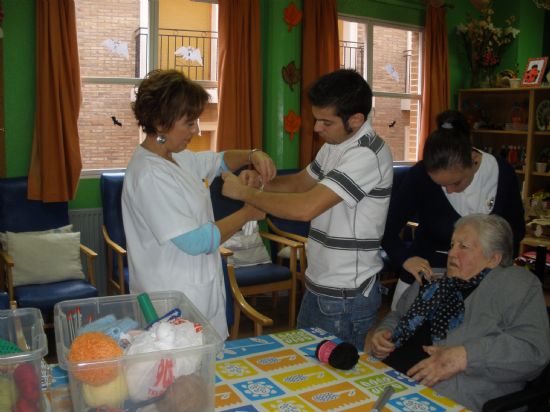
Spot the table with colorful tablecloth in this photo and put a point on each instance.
(279, 372)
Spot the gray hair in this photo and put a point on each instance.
(495, 235)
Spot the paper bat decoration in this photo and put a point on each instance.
(189, 53)
(392, 123)
(116, 121)
(117, 47)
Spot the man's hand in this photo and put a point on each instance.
(264, 165)
(233, 187)
(251, 178)
(253, 213)
(444, 362)
(417, 266)
(379, 343)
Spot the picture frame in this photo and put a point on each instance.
(534, 72)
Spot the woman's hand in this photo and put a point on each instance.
(444, 362)
(379, 343)
(233, 187)
(264, 165)
(418, 267)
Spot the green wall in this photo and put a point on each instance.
(529, 20)
(279, 47)
(19, 62)
(400, 11)
(19, 80)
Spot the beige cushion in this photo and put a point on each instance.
(248, 249)
(62, 229)
(44, 257)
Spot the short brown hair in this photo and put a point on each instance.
(164, 97)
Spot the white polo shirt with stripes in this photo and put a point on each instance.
(344, 241)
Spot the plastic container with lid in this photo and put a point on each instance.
(23, 344)
(119, 383)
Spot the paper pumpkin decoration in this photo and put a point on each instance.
(291, 75)
(292, 15)
(292, 123)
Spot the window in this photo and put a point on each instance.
(389, 57)
(119, 42)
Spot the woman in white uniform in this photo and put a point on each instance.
(171, 234)
(453, 180)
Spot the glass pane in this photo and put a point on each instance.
(353, 39)
(188, 38)
(396, 61)
(107, 127)
(108, 41)
(109, 132)
(397, 122)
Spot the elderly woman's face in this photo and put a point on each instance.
(466, 258)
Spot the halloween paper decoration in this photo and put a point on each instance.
(189, 53)
(292, 123)
(291, 75)
(293, 16)
(117, 47)
(391, 71)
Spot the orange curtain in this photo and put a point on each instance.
(55, 159)
(320, 55)
(435, 72)
(240, 77)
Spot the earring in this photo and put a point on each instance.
(161, 139)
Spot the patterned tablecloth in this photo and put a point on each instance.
(279, 372)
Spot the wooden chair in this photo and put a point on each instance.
(18, 214)
(296, 231)
(236, 302)
(259, 279)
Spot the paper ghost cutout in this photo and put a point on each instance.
(189, 53)
(117, 47)
(392, 72)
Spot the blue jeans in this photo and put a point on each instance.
(349, 319)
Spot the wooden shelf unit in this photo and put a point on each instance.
(495, 106)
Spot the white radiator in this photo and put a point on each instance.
(88, 222)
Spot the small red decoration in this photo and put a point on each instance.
(292, 123)
(293, 16)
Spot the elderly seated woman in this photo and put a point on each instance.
(479, 332)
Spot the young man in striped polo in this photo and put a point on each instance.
(345, 193)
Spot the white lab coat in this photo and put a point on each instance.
(160, 201)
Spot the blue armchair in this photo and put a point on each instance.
(18, 214)
(113, 232)
(257, 279)
(4, 300)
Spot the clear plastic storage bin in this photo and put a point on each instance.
(191, 380)
(23, 344)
